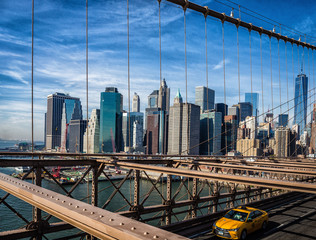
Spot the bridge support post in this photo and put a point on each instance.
(37, 213)
(216, 194)
(194, 194)
(136, 193)
(169, 199)
(94, 192)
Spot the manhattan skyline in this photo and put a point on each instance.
(59, 54)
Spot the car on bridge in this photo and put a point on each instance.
(239, 222)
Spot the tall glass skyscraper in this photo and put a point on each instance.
(205, 98)
(300, 101)
(129, 127)
(253, 98)
(59, 104)
(111, 107)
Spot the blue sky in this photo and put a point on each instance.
(59, 53)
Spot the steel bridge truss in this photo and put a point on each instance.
(183, 188)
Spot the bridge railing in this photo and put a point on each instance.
(161, 190)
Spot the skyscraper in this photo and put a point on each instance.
(153, 99)
(111, 106)
(222, 108)
(164, 97)
(210, 140)
(284, 142)
(128, 127)
(93, 133)
(184, 127)
(76, 132)
(205, 98)
(157, 132)
(253, 98)
(231, 124)
(55, 105)
(300, 101)
(245, 109)
(283, 120)
(71, 111)
(136, 103)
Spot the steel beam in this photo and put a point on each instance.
(255, 181)
(93, 220)
(24, 233)
(263, 169)
(50, 162)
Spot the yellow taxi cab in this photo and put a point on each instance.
(239, 222)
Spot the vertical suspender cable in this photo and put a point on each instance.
(279, 76)
(32, 76)
(128, 81)
(223, 36)
(313, 75)
(87, 71)
(250, 62)
(159, 1)
(87, 111)
(271, 76)
(293, 77)
(309, 77)
(287, 81)
(206, 75)
(186, 71)
(251, 92)
(185, 56)
(238, 66)
(298, 58)
(262, 98)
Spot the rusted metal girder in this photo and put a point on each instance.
(93, 220)
(24, 233)
(50, 162)
(261, 169)
(148, 157)
(255, 181)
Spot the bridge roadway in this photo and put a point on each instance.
(295, 219)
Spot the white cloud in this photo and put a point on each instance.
(220, 64)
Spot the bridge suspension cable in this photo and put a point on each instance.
(206, 76)
(279, 75)
(271, 74)
(224, 76)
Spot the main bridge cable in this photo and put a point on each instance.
(235, 21)
(273, 22)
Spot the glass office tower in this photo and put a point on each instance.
(253, 98)
(205, 98)
(111, 106)
(300, 108)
